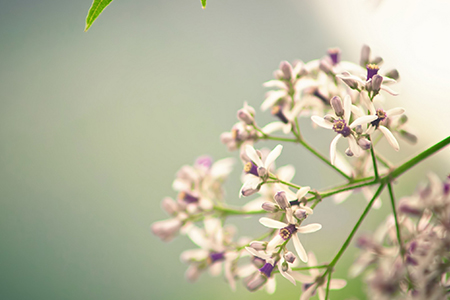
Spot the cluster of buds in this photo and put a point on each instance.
(199, 187)
(418, 268)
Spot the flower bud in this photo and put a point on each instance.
(325, 66)
(284, 266)
(376, 83)
(336, 104)
(258, 246)
(166, 229)
(290, 257)
(349, 152)
(286, 68)
(364, 143)
(262, 172)
(365, 56)
(410, 137)
(300, 214)
(244, 116)
(281, 199)
(170, 206)
(329, 118)
(270, 207)
(256, 282)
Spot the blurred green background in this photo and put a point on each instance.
(94, 126)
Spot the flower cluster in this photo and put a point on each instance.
(418, 267)
(411, 258)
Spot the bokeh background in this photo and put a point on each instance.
(94, 126)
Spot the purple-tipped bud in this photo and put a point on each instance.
(286, 68)
(258, 262)
(270, 207)
(244, 116)
(262, 172)
(204, 161)
(409, 210)
(170, 206)
(325, 66)
(290, 257)
(301, 214)
(349, 152)
(393, 74)
(166, 229)
(278, 74)
(256, 282)
(281, 200)
(358, 129)
(376, 83)
(258, 245)
(338, 107)
(364, 143)
(248, 191)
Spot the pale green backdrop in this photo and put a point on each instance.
(93, 127)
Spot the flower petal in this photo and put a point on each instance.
(390, 137)
(299, 248)
(395, 112)
(286, 173)
(356, 150)
(337, 284)
(273, 155)
(272, 98)
(309, 228)
(322, 122)
(388, 90)
(275, 83)
(302, 192)
(271, 223)
(272, 127)
(347, 107)
(363, 120)
(251, 153)
(286, 275)
(333, 148)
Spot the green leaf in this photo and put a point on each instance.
(203, 4)
(96, 9)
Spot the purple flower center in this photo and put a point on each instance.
(287, 231)
(251, 168)
(341, 127)
(187, 197)
(215, 256)
(335, 55)
(381, 114)
(267, 269)
(372, 69)
(278, 112)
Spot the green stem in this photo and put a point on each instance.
(323, 158)
(276, 138)
(309, 268)
(327, 292)
(230, 211)
(374, 161)
(355, 228)
(394, 211)
(423, 155)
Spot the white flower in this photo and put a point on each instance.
(257, 170)
(288, 231)
(381, 117)
(339, 122)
